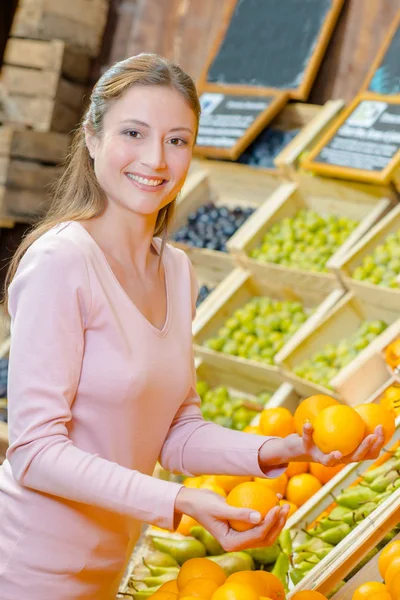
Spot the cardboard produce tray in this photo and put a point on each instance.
(345, 264)
(235, 291)
(326, 197)
(364, 375)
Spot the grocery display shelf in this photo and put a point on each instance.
(345, 265)
(325, 197)
(339, 323)
(236, 290)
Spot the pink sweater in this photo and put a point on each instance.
(96, 396)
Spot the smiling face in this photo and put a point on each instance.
(143, 154)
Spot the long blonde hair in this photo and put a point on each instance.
(77, 195)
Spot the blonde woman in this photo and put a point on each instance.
(101, 381)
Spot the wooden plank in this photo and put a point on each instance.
(3, 439)
(49, 147)
(30, 82)
(23, 206)
(22, 174)
(46, 55)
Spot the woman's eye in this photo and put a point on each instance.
(132, 133)
(178, 142)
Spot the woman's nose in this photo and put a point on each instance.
(154, 155)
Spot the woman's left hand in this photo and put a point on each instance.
(369, 449)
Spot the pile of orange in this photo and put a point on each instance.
(389, 568)
(202, 579)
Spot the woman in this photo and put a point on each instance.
(101, 380)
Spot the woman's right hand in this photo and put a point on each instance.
(212, 511)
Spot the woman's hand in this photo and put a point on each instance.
(294, 448)
(212, 511)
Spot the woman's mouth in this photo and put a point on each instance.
(144, 183)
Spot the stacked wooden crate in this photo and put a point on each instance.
(43, 90)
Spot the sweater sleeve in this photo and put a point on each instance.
(194, 446)
(49, 304)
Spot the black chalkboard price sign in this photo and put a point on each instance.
(270, 45)
(384, 75)
(230, 121)
(363, 144)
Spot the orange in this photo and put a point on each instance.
(164, 595)
(186, 525)
(200, 587)
(390, 551)
(213, 487)
(256, 496)
(392, 570)
(394, 587)
(309, 408)
(296, 468)
(235, 591)
(194, 482)
(292, 509)
(301, 487)
(169, 586)
(374, 415)
(276, 485)
(324, 474)
(365, 590)
(308, 595)
(380, 596)
(200, 567)
(277, 421)
(263, 583)
(228, 482)
(340, 428)
(252, 429)
(392, 354)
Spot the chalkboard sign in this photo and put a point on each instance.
(229, 122)
(363, 144)
(384, 75)
(271, 44)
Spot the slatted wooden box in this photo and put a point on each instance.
(326, 197)
(225, 184)
(235, 291)
(29, 164)
(348, 262)
(364, 375)
(79, 23)
(42, 85)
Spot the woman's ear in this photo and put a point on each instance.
(91, 141)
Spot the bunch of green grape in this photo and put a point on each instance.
(218, 405)
(382, 267)
(305, 241)
(259, 329)
(323, 366)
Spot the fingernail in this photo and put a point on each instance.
(255, 517)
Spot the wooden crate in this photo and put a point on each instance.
(313, 121)
(79, 23)
(223, 183)
(369, 572)
(3, 441)
(33, 89)
(345, 264)
(29, 163)
(347, 554)
(235, 291)
(363, 376)
(327, 197)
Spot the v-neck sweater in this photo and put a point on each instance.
(97, 394)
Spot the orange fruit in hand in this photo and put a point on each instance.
(186, 525)
(235, 591)
(301, 487)
(169, 586)
(263, 583)
(296, 468)
(200, 567)
(228, 482)
(392, 354)
(277, 422)
(292, 507)
(309, 408)
(365, 590)
(256, 496)
(390, 551)
(340, 428)
(324, 474)
(276, 484)
(200, 587)
(308, 595)
(392, 570)
(374, 415)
